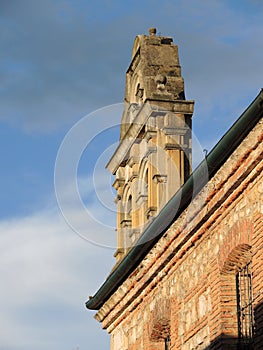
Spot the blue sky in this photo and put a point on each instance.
(60, 61)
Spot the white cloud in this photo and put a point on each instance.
(47, 272)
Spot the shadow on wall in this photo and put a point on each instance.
(225, 342)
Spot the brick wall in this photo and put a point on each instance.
(186, 286)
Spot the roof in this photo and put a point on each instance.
(182, 198)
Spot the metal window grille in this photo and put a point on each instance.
(245, 308)
(167, 342)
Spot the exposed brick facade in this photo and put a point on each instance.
(185, 287)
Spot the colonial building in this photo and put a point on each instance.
(189, 262)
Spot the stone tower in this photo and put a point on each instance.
(153, 158)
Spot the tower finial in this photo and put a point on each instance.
(152, 31)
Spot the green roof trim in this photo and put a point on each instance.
(182, 198)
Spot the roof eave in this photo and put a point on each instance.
(182, 198)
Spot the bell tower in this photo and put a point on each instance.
(153, 158)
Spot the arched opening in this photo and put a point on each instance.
(128, 210)
(237, 298)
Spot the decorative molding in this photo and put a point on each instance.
(126, 223)
(158, 178)
(118, 183)
(150, 133)
(133, 160)
(134, 62)
(175, 130)
(175, 146)
(151, 212)
(133, 175)
(142, 198)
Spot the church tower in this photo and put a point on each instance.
(153, 158)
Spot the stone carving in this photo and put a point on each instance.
(161, 81)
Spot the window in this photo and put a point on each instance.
(167, 343)
(129, 208)
(244, 307)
